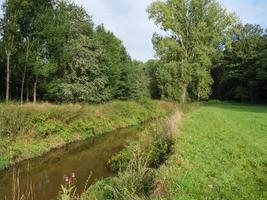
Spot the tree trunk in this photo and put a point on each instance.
(27, 94)
(35, 89)
(25, 74)
(27, 91)
(8, 54)
(22, 85)
(27, 88)
(198, 92)
(184, 91)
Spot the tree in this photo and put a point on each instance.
(22, 31)
(241, 72)
(9, 34)
(152, 69)
(195, 29)
(84, 77)
(116, 57)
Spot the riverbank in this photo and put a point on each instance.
(218, 152)
(30, 131)
(137, 164)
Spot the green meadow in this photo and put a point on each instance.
(220, 152)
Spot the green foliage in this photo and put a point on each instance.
(186, 54)
(153, 142)
(3, 161)
(84, 76)
(61, 56)
(120, 161)
(68, 193)
(101, 190)
(241, 72)
(136, 176)
(135, 182)
(50, 127)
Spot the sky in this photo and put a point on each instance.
(129, 21)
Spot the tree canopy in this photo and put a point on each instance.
(51, 50)
(194, 30)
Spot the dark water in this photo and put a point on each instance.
(84, 159)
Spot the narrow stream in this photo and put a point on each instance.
(84, 159)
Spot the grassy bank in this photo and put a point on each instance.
(137, 163)
(219, 153)
(31, 130)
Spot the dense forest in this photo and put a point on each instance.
(52, 51)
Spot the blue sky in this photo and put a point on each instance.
(129, 21)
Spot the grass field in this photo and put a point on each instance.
(220, 153)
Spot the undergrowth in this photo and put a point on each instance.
(137, 164)
(30, 130)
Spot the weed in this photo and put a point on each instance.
(32, 129)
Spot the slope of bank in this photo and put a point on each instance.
(137, 164)
(31, 130)
(219, 153)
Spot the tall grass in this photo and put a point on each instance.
(137, 163)
(30, 130)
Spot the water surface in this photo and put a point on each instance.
(85, 159)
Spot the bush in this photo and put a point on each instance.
(51, 127)
(3, 162)
(136, 181)
(153, 142)
(136, 178)
(80, 126)
(101, 190)
(120, 161)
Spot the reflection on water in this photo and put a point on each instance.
(88, 158)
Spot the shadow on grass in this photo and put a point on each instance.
(238, 107)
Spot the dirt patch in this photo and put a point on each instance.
(173, 121)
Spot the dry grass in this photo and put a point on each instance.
(171, 123)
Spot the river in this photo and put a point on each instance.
(84, 159)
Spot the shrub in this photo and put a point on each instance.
(3, 162)
(137, 180)
(120, 161)
(153, 142)
(51, 127)
(101, 190)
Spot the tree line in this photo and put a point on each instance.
(207, 53)
(52, 51)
